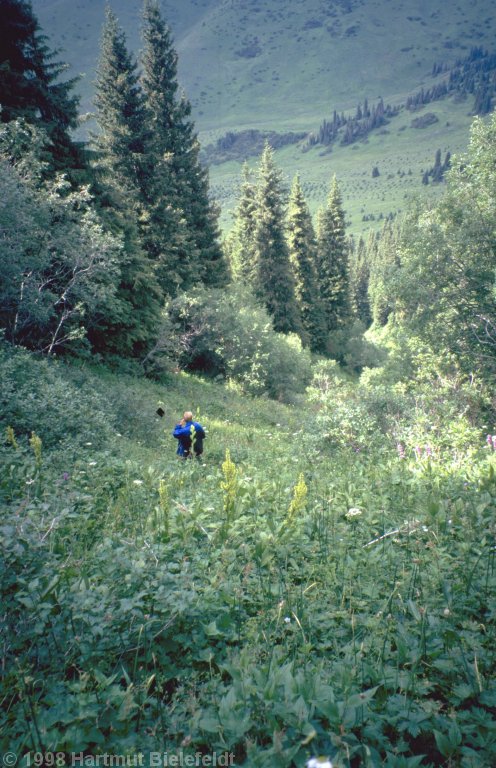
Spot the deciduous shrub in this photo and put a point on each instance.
(226, 334)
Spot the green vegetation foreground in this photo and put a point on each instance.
(322, 582)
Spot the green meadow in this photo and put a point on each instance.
(321, 582)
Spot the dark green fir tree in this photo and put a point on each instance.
(383, 262)
(120, 145)
(302, 255)
(332, 260)
(181, 183)
(274, 286)
(31, 86)
(165, 230)
(121, 115)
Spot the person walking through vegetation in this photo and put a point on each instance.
(190, 435)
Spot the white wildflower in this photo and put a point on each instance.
(138, 482)
(287, 620)
(319, 762)
(92, 463)
(353, 512)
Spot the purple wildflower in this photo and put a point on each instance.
(401, 450)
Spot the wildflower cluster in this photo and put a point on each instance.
(299, 500)
(491, 441)
(319, 762)
(353, 512)
(36, 444)
(10, 437)
(229, 484)
(425, 452)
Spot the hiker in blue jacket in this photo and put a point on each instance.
(189, 434)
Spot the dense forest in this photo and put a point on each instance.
(324, 583)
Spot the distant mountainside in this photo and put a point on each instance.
(260, 63)
(286, 66)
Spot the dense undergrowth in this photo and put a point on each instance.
(321, 583)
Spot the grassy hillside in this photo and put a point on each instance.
(321, 583)
(400, 152)
(286, 65)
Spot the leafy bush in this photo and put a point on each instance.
(352, 349)
(226, 334)
(37, 396)
(58, 265)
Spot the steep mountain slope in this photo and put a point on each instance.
(273, 62)
(284, 65)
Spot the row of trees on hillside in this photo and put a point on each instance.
(140, 177)
(300, 275)
(474, 75)
(355, 127)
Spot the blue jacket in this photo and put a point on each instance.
(184, 435)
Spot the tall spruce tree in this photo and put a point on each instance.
(302, 256)
(332, 260)
(120, 145)
(240, 242)
(181, 183)
(165, 230)
(31, 88)
(274, 285)
(121, 115)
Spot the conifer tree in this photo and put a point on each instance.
(384, 262)
(274, 285)
(165, 229)
(121, 114)
(241, 243)
(30, 85)
(359, 282)
(302, 256)
(332, 260)
(181, 183)
(120, 145)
